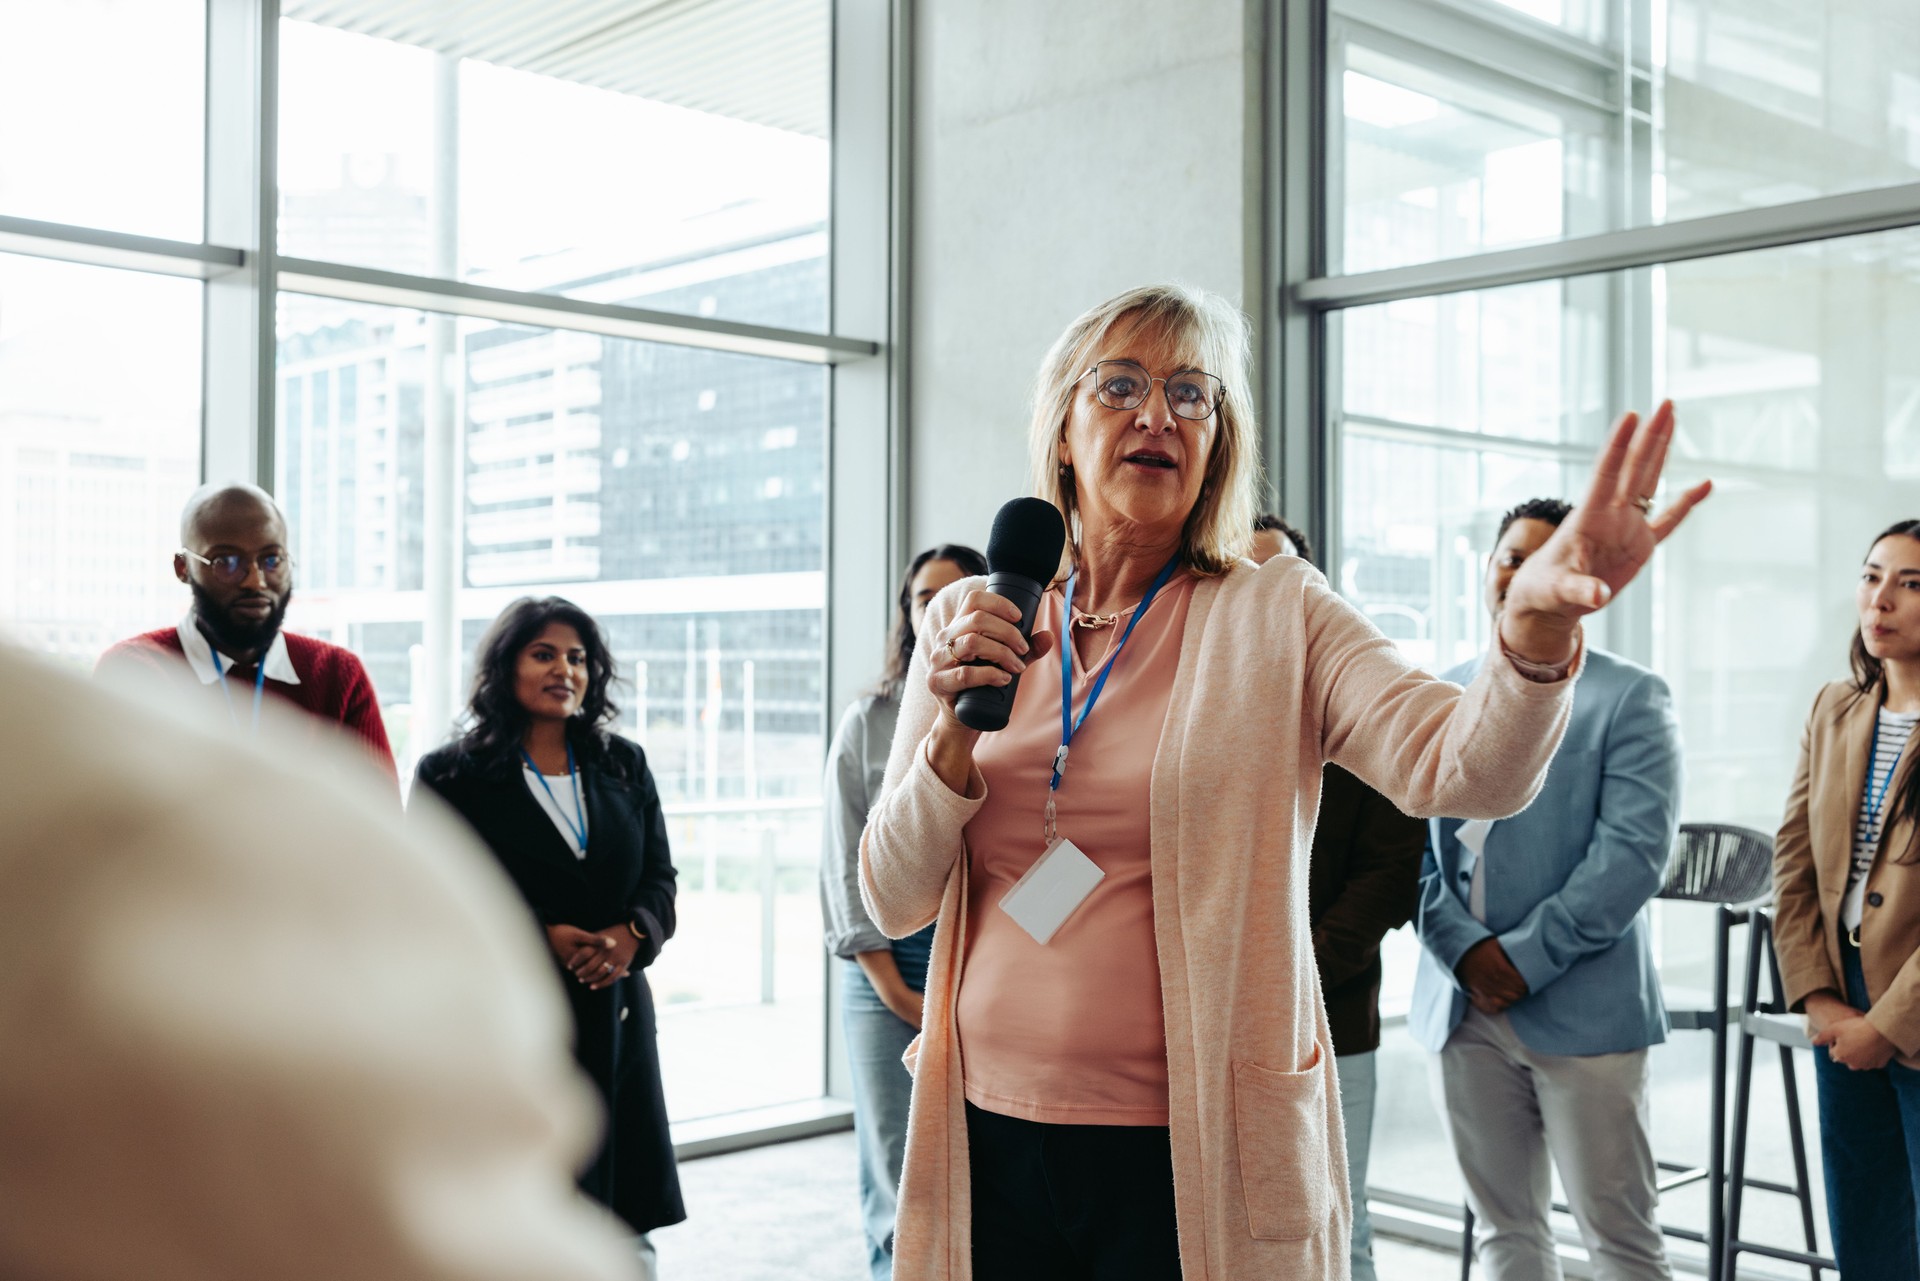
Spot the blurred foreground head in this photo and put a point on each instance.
(252, 1026)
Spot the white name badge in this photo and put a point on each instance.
(1058, 882)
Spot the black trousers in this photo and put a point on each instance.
(1071, 1202)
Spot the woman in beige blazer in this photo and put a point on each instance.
(1221, 1161)
(1846, 888)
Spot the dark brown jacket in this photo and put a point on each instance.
(1364, 879)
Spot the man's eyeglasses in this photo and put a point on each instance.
(234, 567)
(1121, 384)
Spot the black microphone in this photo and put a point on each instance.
(1023, 555)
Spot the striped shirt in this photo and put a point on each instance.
(1890, 742)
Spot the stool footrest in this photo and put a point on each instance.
(1681, 1179)
(1789, 1030)
(1783, 1253)
(1766, 1185)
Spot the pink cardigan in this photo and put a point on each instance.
(1277, 675)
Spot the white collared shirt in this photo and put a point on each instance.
(199, 653)
(1473, 835)
(562, 804)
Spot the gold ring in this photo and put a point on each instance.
(1645, 505)
(953, 659)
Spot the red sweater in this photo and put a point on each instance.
(333, 687)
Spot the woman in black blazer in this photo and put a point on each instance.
(571, 811)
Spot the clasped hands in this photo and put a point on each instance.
(597, 959)
(1850, 1039)
(1487, 975)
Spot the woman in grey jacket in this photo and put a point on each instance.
(881, 979)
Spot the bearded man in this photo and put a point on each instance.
(233, 557)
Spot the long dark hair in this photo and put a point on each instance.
(900, 644)
(1868, 672)
(496, 722)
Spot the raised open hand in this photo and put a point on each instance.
(1606, 540)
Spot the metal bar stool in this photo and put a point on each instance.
(1728, 867)
(1769, 1022)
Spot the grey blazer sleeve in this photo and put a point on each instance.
(858, 753)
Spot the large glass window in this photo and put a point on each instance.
(102, 114)
(1459, 130)
(678, 496)
(99, 448)
(642, 169)
(1794, 393)
(1493, 123)
(555, 315)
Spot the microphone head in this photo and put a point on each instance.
(1028, 536)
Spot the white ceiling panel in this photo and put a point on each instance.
(763, 61)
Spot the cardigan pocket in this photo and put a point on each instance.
(1280, 1124)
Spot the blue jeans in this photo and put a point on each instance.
(1870, 1146)
(1357, 1085)
(876, 1038)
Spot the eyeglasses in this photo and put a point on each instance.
(1121, 384)
(235, 567)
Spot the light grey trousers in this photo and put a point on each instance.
(1508, 1110)
(1359, 1077)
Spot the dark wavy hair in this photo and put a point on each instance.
(496, 722)
(900, 642)
(1868, 672)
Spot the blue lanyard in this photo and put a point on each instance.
(259, 687)
(1069, 723)
(573, 772)
(1876, 795)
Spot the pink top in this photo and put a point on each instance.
(1073, 1032)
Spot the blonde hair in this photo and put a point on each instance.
(1214, 335)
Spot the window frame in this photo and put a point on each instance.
(1301, 364)
(863, 347)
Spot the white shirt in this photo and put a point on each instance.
(1473, 835)
(200, 655)
(562, 805)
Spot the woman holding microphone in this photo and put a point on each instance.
(1846, 889)
(1143, 1091)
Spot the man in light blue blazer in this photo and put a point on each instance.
(1536, 990)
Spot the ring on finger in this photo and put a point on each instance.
(953, 658)
(1645, 504)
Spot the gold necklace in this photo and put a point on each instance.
(1093, 622)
